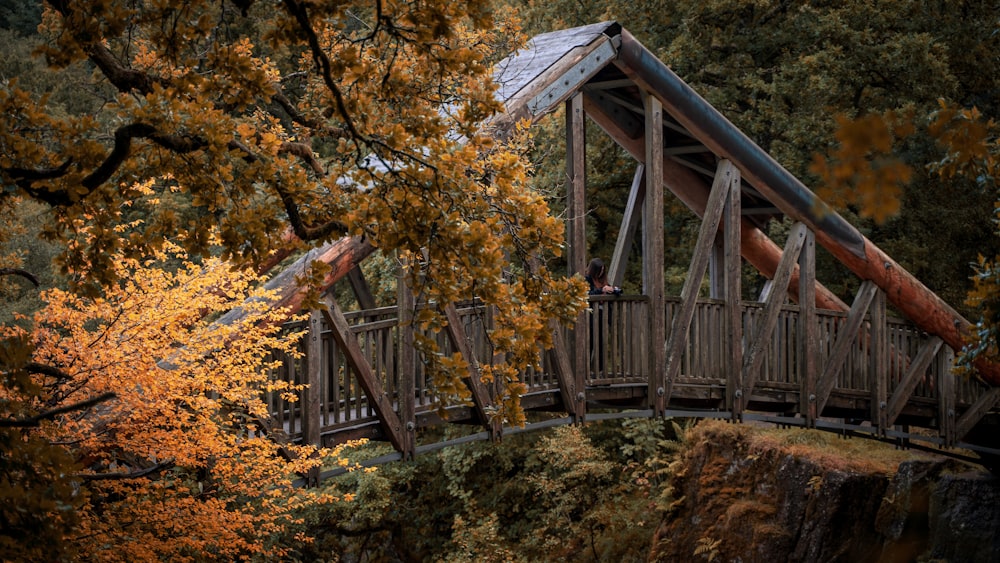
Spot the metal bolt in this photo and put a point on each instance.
(660, 391)
(410, 426)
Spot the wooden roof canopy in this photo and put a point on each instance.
(613, 71)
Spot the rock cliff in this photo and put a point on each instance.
(746, 494)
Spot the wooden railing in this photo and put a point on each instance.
(618, 336)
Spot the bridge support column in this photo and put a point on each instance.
(732, 292)
(879, 358)
(406, 304)
(652, 254)
(576, 201)
(946, 396)
(807, 329)
(311, 415)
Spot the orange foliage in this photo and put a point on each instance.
(863, 170)
(175, 466)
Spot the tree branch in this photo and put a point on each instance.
(19, 272)
(34, 421)
(298, 10)
(167, 464)
(44, 369)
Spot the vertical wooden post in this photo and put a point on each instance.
(652, 253)
(717, 267)
(879, 363)
(311, 415)
(946, 396)
(732, 292)
(576, 201)
(807, 329)
(407, 362)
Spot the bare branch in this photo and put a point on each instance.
(19, 272)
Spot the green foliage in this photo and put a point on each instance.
(20, 16)
(567, 494)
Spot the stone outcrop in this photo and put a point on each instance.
(742, 494)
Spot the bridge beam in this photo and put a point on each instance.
(732, 292)
(725, 177)
(977, 411)
(372, 385)
(405, 307)
(765, 326)
(878, 358)
(845, 337)
(915, 373)
(311, 415)
(568, 391)
(481, 398)
(626, 233)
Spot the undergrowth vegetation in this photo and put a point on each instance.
(597, 492)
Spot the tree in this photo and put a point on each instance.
(135, 432)
(277, 127)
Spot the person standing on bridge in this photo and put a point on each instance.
(597, 277)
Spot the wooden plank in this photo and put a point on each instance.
(915, 373)
(576, 201)
(311, 415)
(879, 363)
(732, 291)
(355, 357)
(652, 252)
(947, 392)
(976, 412)
(564, 372)
(362, 291)
(407, 393)
(626, 233)
(556, 91)
(481, 397)
(845, 337)
(544, 59)
(808, 331)
(716, 268)
(763, 330)
(699, 261)
(342, 255)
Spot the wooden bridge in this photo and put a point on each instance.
(796, 354)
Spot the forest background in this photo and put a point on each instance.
(883, 106)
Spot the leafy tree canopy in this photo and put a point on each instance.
(117, 452)
(243, 128)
